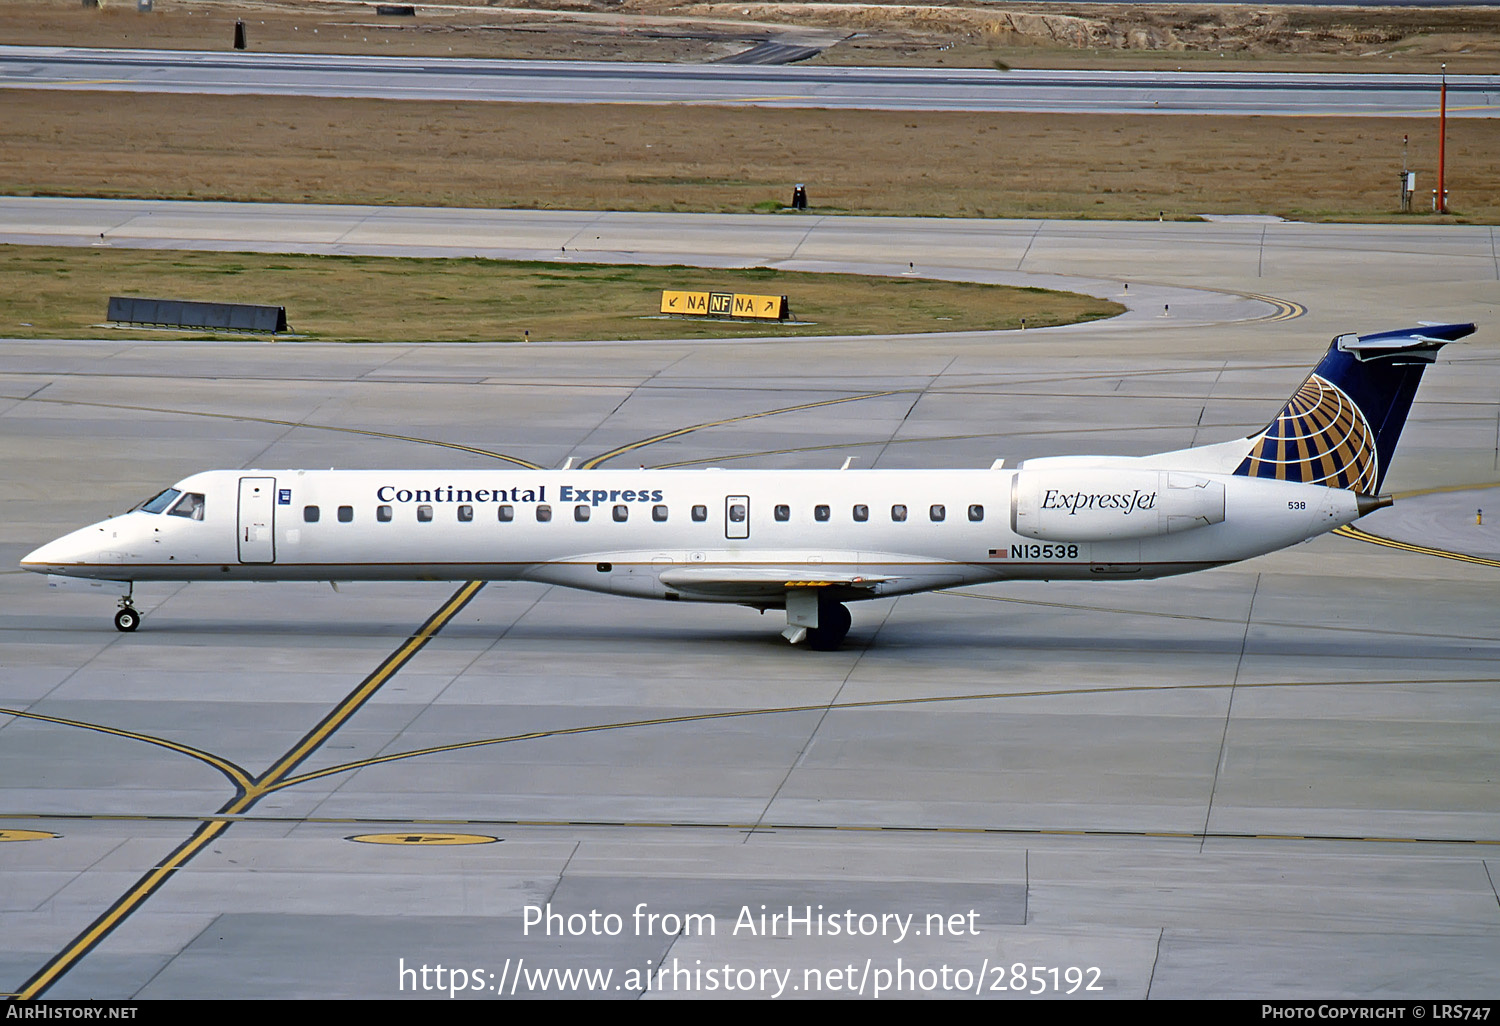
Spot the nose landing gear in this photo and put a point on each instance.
(126, 618)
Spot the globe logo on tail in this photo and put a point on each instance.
(1320, 438)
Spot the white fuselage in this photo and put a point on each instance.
(705, 535)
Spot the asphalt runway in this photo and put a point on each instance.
(1183, 92)
(1273, 780)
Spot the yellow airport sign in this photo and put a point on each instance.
(724, 304)
(763, 307)
(684, 302)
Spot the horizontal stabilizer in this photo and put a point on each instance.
(1421, 343)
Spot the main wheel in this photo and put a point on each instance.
(127, 619)
(833, 624)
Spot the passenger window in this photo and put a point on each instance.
(861, 514)
(346, 514)
(465, 514)
(507, 514)
(937, 513)
(581, 514)
(310, 514)
(383, 514)
(161, 501)
(976, 513)
(543, 514)
(622, 514)
(783, 513)
(700, 514)
(898, 513)
(191, 507)
(821, 514)
(736, 513)
(659, 514)
(424, 513)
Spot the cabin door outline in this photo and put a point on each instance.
(257, 520)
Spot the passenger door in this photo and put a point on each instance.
(257, 520)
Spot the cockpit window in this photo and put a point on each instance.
(191, 506)
(161, 502)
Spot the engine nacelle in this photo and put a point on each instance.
(1102, 505)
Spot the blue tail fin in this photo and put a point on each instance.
(1341, 427)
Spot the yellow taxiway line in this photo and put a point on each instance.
(249, 794)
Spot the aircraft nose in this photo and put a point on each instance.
(59, 555)
(45, 559)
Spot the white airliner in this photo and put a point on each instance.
(805, 541)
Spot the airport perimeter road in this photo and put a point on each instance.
(1272, 781)
(1188, 92)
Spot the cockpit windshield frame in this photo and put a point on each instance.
(159, 502)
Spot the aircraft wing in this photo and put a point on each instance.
(763, 582)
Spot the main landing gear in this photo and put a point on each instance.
(126, 618)
(833, 625)
(820, 620)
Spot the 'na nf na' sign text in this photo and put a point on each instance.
(725, 304)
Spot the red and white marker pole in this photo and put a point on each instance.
(1442, 193)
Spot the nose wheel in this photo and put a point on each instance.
(127, 619)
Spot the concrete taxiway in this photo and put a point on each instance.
(470, 79)
(1270, 780)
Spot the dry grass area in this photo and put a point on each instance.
(956, 33)
(59, 292)
(630, 157)
(724, 159)
(296, 26)
(1144, 36)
